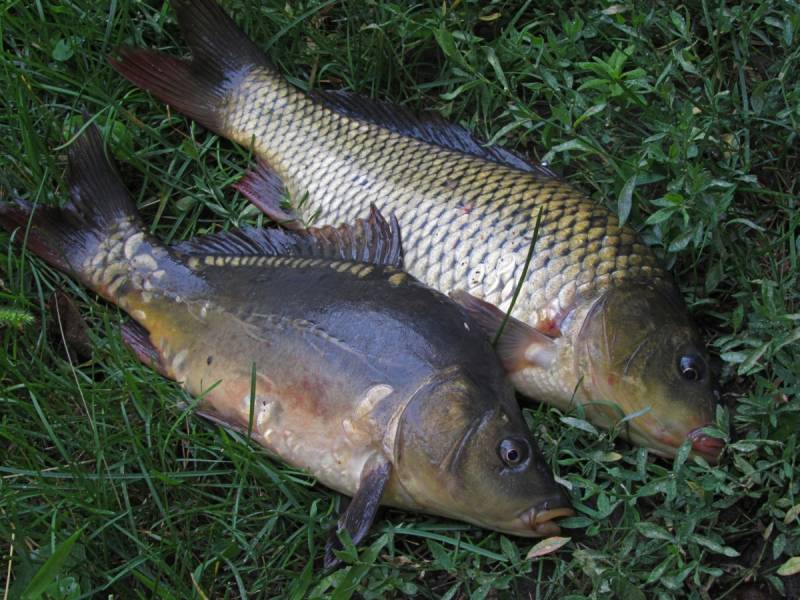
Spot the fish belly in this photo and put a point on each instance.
(264, 375)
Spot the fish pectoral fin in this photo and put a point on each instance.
(372, 240)
(264, 188)
(360, 513)
(137, 339)
(520, 345)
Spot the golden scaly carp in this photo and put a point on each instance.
(597, 322)
(318, 345)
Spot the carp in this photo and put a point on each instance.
(318, 346)
(597, 322)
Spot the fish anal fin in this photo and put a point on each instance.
(427, 127)
(211, 415)
(264, 188)
(520, 345)
(137, 338)
(372, 240)
(360, 513)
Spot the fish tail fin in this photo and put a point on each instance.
(68, 237)
(221, 55)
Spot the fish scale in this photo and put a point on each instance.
(597, 320)
(581, 247)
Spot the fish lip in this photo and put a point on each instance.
(541, 522)
(704, 444)
(665, 446)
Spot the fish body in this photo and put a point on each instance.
(467, 215)
(381, 387)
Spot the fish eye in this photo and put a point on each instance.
(514, 451)
(691, 367)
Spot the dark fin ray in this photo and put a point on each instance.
(137, 339)
(221, 55)
(373, 240)
(65, 237)
(520, 345)
(360, 513)
(264, 188)
(428, 127)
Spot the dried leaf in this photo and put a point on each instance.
(547, 546)
(607, 456)
(792, 514)
(790, 567)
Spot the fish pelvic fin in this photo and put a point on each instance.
(221, 56)
(137, 339)
(99, 205)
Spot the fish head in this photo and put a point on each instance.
(642, 355)
(466, 455)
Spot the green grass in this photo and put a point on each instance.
(685, 121)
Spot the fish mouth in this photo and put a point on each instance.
(539, 520)
(666, 446)
(707, 446)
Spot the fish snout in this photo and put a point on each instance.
(706, 445)
(541, 517)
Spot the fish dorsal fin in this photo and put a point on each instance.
(372, 240)
(428, 127)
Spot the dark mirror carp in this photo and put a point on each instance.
(598, 321)
(316, 344)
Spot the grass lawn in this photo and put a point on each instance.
(684, 120)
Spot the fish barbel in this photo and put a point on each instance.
(319, 346)
(598, 321)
